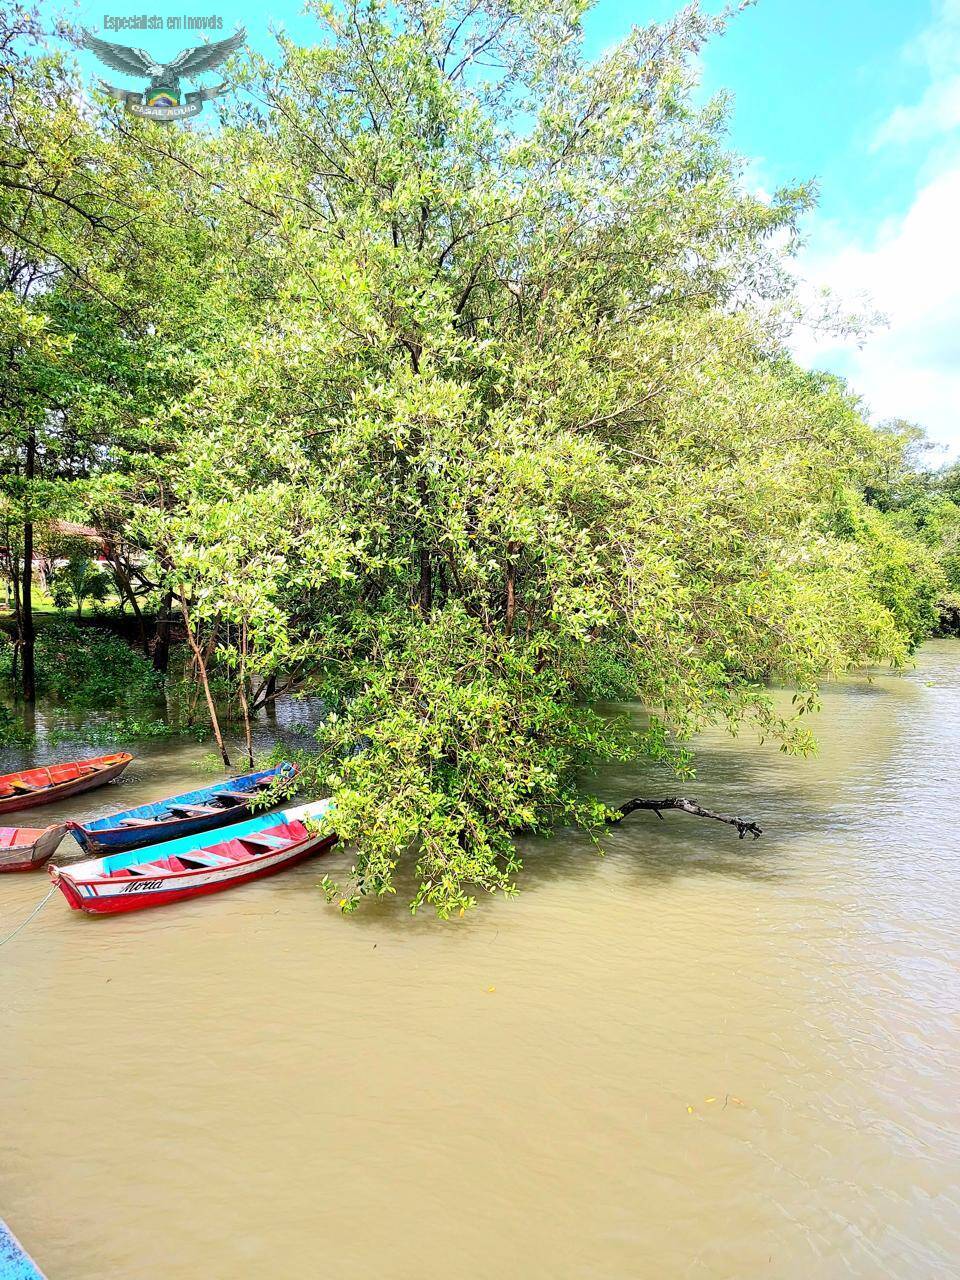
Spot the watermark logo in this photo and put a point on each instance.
(162, 99)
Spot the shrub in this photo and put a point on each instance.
(86, 667)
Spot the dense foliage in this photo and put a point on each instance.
(89, 668)
(449, 380)
(924, 506)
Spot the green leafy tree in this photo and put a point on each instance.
(511, 428)
(84, 580)
(921, 506)
(455, 391)
(100, 255)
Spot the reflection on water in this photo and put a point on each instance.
(692, 1057)
(60, 732)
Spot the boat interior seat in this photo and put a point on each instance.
(235, 851)
(203, 858)
(259, 840)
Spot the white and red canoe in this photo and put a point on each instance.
(24, 848)
(189, 867)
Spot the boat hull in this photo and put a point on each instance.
(103, 842)
(113, 767)
(99, 898)
(100, 840)
(29, 854)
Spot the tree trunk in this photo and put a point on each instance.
(510, 604)
(125, 588)
(28, 679)
(248, 736)
(202, 668)
(15, 579)
(205, 655)
(265, 698)
(425, 590)
(160, 646)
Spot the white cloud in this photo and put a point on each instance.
(910, 271)
(937, 111)
(908, 268)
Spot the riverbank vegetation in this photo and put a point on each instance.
(447, 380)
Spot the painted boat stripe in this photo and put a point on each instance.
(174, 883)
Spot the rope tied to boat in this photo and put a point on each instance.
(36, 911)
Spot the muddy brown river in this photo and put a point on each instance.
(690, 1058)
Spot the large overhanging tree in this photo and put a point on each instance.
(480, 412)
(515, 386)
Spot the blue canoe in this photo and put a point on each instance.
(184, 815)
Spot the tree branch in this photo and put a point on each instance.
(743, 825)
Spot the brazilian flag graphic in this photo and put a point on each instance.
(162, 96)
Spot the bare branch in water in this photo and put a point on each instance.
(743, 825)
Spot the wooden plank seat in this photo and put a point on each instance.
(139, 822)
(150, 869)
(19, 784)
(203, 858)
(244, 796)
(195, 810)
(264, 841)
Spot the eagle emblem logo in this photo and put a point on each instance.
(162, 100)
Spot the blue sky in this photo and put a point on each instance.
(863, 96)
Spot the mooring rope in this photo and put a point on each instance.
(42, 903)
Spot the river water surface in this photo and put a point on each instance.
(690, 1058)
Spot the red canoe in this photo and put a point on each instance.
(24, 848)
(190, 867)
(52, 782)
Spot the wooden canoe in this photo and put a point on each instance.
(24, 848)
(47, 783)
(189, 867)
(194, 811)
